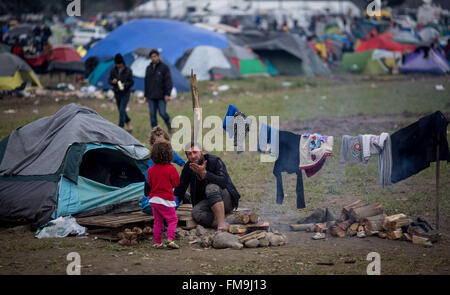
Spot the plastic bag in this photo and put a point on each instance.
(60, 227)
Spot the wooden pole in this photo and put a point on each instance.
(194, 90)
(196, 131)
(438, 198)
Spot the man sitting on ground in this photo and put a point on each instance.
(212, 193)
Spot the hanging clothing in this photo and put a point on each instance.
(313, 153)
(385, 159)
(414, 147)
(265, 142)
(351, 149)
(360, 148)
(287, 161)
(233, 119)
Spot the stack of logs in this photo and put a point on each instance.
(363, 220)
(242, 223)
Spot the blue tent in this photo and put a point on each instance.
(173, 37)
(99, 77)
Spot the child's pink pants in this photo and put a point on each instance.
(161, 212)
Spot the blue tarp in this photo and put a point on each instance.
(172, 37)
(87, 194)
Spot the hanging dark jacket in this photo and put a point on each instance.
(414, 147)
(158, 82)
(126, 76)
(288, 161)
(216, 173)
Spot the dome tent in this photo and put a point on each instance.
(14, 71)
(74, 162)
(172, 37)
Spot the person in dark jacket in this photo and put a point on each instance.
(158, 85)
(212, 193)
(121, 79)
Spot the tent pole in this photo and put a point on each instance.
(438, 199)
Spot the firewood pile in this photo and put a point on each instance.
(362, 220)
(246, 230)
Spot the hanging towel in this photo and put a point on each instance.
(312, 160)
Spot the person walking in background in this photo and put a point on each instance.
(121, 79)
(163, 178)
(158, 85)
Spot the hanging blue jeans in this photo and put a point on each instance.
(160, 105)
(122, 102)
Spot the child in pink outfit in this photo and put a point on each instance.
(162, 179)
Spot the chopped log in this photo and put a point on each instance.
(321, 227)
(238, 218)
(392, 218)
(382, 234)
(237, 229)
(360, 228)
(346, 209)
(303, 227)
(419, 240)
(394, 235)
(375, 223)
(258, 226)
(337, 231)
(343, 224)
(331, 223)
(398, 224)
(361, 213)
(250, 236)
(351, 231)
(254, 217)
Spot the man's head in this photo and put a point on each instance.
(194, 153)
(154, 56)
(118, 61)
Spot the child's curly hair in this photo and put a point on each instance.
(162, 153)
(158, 132)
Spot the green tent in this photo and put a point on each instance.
(371, 62)
(14, 72)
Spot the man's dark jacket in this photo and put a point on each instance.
(216, 173)
(158, 82)
(126, 76)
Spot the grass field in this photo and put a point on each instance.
(333, 106)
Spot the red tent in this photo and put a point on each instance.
(382, 42)
(65, 53)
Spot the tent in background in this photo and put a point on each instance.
(423, 61)
(14, 72)
(65, 54)
(383, 42)
(371, 62)
(245, 60)
(72, 163)
(202, 59)
(287, 53)
(172, 37)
